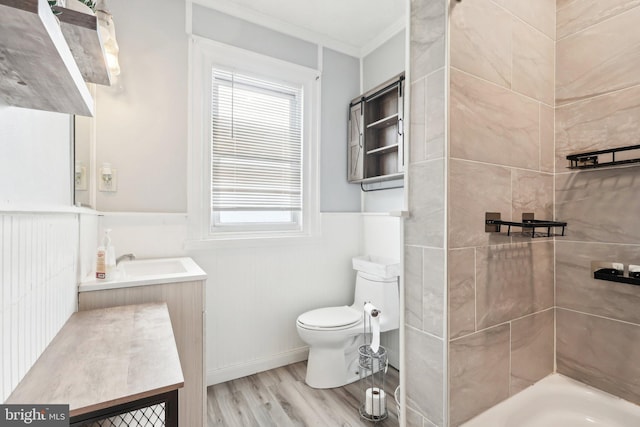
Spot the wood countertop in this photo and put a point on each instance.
(107, 357)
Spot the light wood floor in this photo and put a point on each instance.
(280, 398)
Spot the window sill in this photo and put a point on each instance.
(252, 240)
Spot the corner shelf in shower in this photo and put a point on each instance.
(615, 276)
(494, 223)
(593, 159)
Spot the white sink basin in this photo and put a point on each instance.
(147, 272)
(152, 267)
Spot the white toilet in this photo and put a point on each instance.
(335, 333)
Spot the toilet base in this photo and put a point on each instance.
(333, 367)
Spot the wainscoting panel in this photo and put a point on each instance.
(38, 263)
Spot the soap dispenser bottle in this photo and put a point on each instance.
(101, 266)
(109, 255)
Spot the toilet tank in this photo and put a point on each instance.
(377, 283)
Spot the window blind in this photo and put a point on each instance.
(256, 144)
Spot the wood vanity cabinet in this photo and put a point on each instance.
(110, 367)
(376, 134)
(185, 301)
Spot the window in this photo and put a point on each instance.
(254, 156)
(256, 153)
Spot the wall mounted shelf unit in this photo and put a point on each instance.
(376, 135)
(605, 158)
(493, 224)
(37, 67)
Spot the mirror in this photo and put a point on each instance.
(82, 165)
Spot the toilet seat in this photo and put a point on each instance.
(330, 318)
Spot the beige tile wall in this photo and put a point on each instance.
(478, 372)
(584, 126)
(425, 284)
(532, 349)
(600, 352)
(530, 82)
(490, 123)
(575, 15)
(598, 107)
(501, 122)
(598, 59)
(425, 343)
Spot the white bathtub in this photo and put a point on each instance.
(557, 401)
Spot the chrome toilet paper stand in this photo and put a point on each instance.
(373, 369)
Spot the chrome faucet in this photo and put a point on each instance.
(129, 257)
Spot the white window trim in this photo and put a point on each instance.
(204, 55)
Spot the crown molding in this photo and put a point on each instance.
(250, 15)
(383, 37)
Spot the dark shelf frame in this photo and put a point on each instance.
(493, 224)
(607, 274)
(169, 399)
(591, 160)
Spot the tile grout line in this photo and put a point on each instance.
(525, 22)
(500, 165)
(424, 247)
(589, 98)
(422, 286)
(587, 242)
(505, 323)
(482, 79)
(424, 332)
(475, 290)
(538, 241)
(599, 316)
(591, 25)
(510, 356)
(540, 135)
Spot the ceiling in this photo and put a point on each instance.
(350, 26)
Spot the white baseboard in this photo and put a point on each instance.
(229, 373)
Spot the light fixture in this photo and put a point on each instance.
(108, 179)
(80, 176)
(108, 35)
(107, 173)
(78, 172)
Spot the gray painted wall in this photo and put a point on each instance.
(234, 31)
(141, 121)
(142, 125)
(340, 84)
(385, 62)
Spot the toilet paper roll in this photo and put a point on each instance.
(374, 314)
(375, 404)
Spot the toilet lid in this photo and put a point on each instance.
(330, 317)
